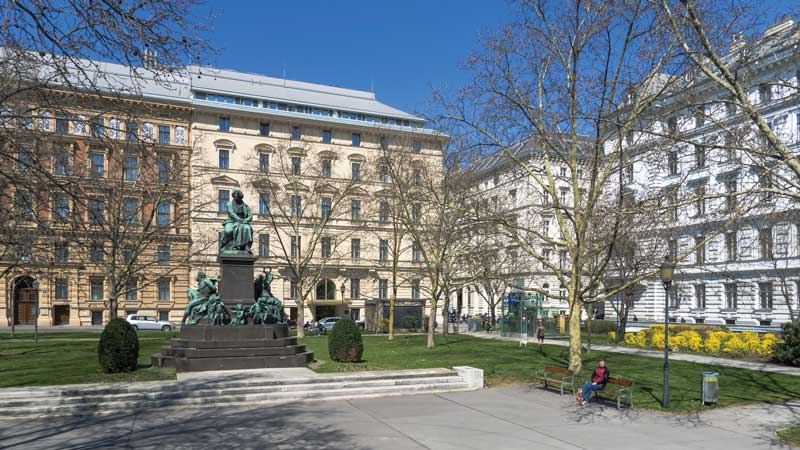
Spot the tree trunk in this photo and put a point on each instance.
(445, 315)
(13, 314)
(575, 361)
(431, 323)
(589, 328)
(391, 313)
(301, 319)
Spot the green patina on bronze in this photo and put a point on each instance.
(267, 309)
(237, 234)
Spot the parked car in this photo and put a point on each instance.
(328, 323)
(142, 322)
(360, 324)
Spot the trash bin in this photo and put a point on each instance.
(710, 387)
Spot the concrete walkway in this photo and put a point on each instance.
(512, 418)
(764, 367)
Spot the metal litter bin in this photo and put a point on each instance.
(710, 387)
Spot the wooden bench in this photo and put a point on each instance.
(558, 376)
(624, 389)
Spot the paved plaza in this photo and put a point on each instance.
(521, 417)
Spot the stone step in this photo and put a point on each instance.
(250, 378)
(201, 391)
(240, 400)
(190, 343)
(232, 352)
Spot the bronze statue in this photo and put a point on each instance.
(199, 298)
(238, 233)
(267, 308)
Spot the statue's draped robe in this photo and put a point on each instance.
(237, 226)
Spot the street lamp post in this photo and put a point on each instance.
(666, 272)
(342, 288)
(35, 286)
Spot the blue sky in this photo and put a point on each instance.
(404, 47)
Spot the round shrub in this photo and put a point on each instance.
(118, 349)
(410, 322)
(788, 351)
(345, 343)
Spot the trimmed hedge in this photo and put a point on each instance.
(410, 322)
(788, 351)
(345, 343)
(118, 350)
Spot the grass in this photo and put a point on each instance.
(791, 436)
(505, 363)
(50, 362)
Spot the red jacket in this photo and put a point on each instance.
(600, 375)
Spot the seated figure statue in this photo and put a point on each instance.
(237, 235)
(198, 299)
(267, 308)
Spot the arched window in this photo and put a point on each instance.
(326, 290)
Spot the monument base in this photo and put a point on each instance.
(209, 347)
(236, 281)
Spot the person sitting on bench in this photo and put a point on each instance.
(598, 383)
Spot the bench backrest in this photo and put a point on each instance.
(556, 369)
(620, 382)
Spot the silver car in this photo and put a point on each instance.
(142, 322)
(328, 323)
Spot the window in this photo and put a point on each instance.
(672, 162)
(355, 248)
(416, 252)
(163, 213)
(296, 133)
(61, 252)
(384, 171)
(700, 202)
(355, 288)
(98, 164)
(730, 198)
(383, 250)
(263, 128)
(131, 290)
(97, 210)
(730, 106)
(512, 197)
(292, 289)
(325, 207)
(163, 169)
(730, 246)
(296, 205)
(417, 146)
(731, 300)
(163, 134)
(223, 197)
(765, 183)
(263, 203)
(356, 140)
(61, 208)
(765, 295)
(416, 175)
(416, 212)
(383, 212)
(383, 289)
(546, 200)
(355, 209)
(700, 251)
(326, 136)
(356, 170)
(327, 242)
(672, 249)
(163, 316)
(674, 299)
(699, 156)
(765, 242)
(295, 247)
(545, 227)
(326, 168)
(415, 294)
(163, 255)
(224, 124)
(263, 162)
(163, 290)
(96, 289)
(672, 204)
(564, 195)
(562, 258)
(98, 130)
(700, 117)
(296, 165)
(62, 289)
(764, 93)
(672, 124)
(62, 124)
(130, 208)
(700, 296)
(61, 162)
(384, 143)
(129, 254)
(263, 245)
(224, 158)
(131, 168)
(131, 131)
(96, 254)
(23, 205)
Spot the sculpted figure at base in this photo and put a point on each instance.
(198, 299)
(237, 235)
(267, 308)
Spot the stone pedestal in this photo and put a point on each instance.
(236, 283)
(225, 347)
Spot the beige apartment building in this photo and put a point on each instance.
(309, 159)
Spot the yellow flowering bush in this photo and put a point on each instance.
(691, 341)
(735, 345)
(767, 347)
(636, 339)
(612, 335)
(703, 339)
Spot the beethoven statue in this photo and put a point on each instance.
(237, 236)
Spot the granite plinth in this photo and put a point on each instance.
(227, 347)
(236, 283)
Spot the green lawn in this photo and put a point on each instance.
(504, 363)
(791, 436)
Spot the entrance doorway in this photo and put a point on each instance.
(25, 300)
(60, 314)
(323, 311)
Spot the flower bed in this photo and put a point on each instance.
(703, 340)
